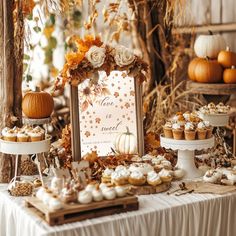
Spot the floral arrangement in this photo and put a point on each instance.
(92, 55)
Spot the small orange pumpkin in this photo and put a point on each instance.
(229, 75)
(207, 71)
(227, 58)
(191, 68)
(37, 105)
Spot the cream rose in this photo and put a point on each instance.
(123, 56)
(96, 56)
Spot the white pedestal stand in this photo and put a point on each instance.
(25, 148)
(186, 155)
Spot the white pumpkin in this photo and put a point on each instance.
(209, 45)
(126, 143)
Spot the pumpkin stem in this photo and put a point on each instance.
(227, 48)
(207, 58)
(210, 32)
(127, 130)
(37, 89)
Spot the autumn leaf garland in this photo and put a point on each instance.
(92, 55)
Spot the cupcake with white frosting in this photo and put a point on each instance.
(35, 136)
(9, 135)
(22, 137)
(201, 130)
(137, 178)
(209, 129)
(153, 178)
(167, 129)
(177, 131)
(106, 175)
(165, 175)
(189, 131)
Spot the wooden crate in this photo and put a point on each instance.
(77, 212)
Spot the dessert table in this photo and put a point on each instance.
(159, 214)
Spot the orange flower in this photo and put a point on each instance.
(74, 58)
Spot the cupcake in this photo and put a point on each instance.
(5, 131)
(209, 129)
(34, 136)
(26, 128)
(189, 131)
(22, 137)
(177, 131)
(167, 128)
(201, 130)
(147, 158)
(153, 178)
(9, 135)
(187, 115)
(166, 164)
(177, 116)
(144, 168)
(137, 178)
(106, 175)
(68, 195)
(120, 177)
(38, 129)
(165, 175)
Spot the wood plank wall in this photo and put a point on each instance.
(205, 12)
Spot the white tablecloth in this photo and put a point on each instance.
(159, 214)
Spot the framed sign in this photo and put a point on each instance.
(107, 108)
(102, 106)
(97, 120)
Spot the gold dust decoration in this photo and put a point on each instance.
(87, 134)
(80, 64)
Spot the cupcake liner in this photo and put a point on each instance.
(35, 139)
(11, 139)
(201, 134)
(22, 139)
(178, 134)
(137, 182)
(190, 134)
(209, 133)
(168, 132)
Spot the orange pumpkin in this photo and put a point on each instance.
(37, 105)
(229, 75)
(207, 71)
(227, 58)
(191, 68)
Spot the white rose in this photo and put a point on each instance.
(96, 56)
(123, 56)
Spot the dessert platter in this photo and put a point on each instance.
(216, 115)
(101, 186)
(187, 132)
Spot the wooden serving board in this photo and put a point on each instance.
(77, 212)
(148, 189)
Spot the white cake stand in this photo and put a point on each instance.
(186, 155)
(25, 148)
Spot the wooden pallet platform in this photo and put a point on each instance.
(78, 212)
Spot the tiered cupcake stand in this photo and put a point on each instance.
(186, 153)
